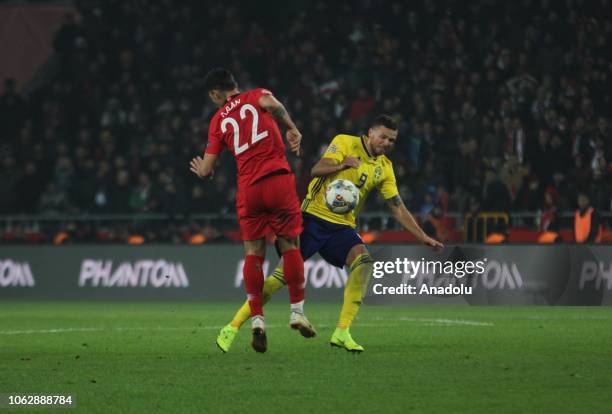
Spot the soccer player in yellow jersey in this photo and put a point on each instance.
(362, 161)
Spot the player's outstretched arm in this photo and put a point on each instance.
(204, 167)
(278, 111)
(327, 166)
(403, 216)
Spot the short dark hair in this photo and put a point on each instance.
(220, 78)
(384, 120)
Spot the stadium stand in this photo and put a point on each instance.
(502, 108)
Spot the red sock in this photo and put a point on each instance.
(293, 267)
(253, 282)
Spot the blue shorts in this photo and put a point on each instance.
(332, 241)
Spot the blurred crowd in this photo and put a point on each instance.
(503, 106)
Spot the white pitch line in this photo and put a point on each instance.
(117, 329)
(43, 331)
(159, 328)
(364, 324)
(566, 317)
(447, 321)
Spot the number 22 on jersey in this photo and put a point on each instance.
(255, 136)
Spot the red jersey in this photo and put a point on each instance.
(251, 134)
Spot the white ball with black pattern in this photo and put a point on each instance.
(341, 196)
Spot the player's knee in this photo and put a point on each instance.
(285, 244)
(356, 252)
(365, 258)
(256, 252)
(255, 247)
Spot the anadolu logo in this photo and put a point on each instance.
(15, 274)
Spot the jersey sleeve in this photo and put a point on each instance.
(388, 185)
(215, 144)
(337, 150)
(258, 93)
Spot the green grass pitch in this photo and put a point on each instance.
(160, 357)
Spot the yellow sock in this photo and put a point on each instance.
(273, 284)
(359, 274)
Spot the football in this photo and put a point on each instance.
(341, 196)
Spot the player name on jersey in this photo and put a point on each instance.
(251, 134)
(228, 108)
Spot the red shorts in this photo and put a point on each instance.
(270, 204)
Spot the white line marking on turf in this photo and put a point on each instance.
(43, 331)
(118, 329)
(155, 328)
(565, 317)
(446, 321)
(365, 324)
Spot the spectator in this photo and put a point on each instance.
(427, 206)
(9, 178)
(120, 196)
(362, 107)
(587, 225)
(141, 198)
(65, 40)
(473, 91)
(12, 111)
(30, 186)
(496, 196)
(53, 200)
(434, 225)
(549, 208)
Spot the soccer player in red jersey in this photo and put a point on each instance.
(266, 198)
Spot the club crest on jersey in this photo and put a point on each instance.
(229, 107)
(333, 148)
(377, 173)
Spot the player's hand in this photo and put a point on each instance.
(433, 243)
(197, 167)
(294, 138)
(350, 162)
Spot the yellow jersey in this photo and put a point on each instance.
(373, 172)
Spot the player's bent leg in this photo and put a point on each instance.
(360, 269)
(228, 333)
(272, 284)
(293, 267)
(254, 280)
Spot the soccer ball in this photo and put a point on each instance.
(341, 196)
